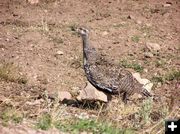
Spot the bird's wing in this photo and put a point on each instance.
(106, 76)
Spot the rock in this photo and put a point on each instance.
(84, 132)
(139, 22)
(130, 17)
(136, 96)
(59, 53)
(105, 33)
(148, 24)
(145, 70)
(35, 102)
(168, 4)
(147, 84)
(33, 1)
(148, 54)
(91, 93)
(153, 46)
(82, 116)
(61, 95)
(64, 95)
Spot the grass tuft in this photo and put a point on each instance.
(135, 38)
(169, 76)
(11, 115)
(158, 79)
(73, 27)
(8, 72)
(44, 122)
(95, 127)
(136, 66)
(78, 126)
(172, 75)
(146, 110)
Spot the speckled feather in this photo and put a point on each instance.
(106, 76)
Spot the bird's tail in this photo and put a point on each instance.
(146, 93)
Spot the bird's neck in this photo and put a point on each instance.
(85, 41)
(85, 48)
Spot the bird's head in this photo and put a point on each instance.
(83, 31)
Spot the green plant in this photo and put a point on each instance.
(164, 111)
(169, 76)
(137, 67)
(158, 79)
(160, 63)
(62, 126)
(11, 115)
(146, 30)
(172, 75)
(146, 110)
(135, 38)
(44, 122)
(94, 127)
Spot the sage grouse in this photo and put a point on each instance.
(106, 76)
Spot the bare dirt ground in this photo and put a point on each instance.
(32, 35)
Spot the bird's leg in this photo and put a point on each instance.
(125, 97)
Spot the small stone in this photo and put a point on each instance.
(105, 33)
(147, 84)
(59, 53)
(168, 4)
(130, 17)
(84, 132)
(91, 93)
(64, 95)
(153, 46)
(82, 116)
(136, 96)
(148, 54)
(139, 22)
(33, 1)
(148, 24)
(144, 34)
(33, 103)
(145, 70)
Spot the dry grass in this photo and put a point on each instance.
(9, 72)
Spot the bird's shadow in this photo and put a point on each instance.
(87, 104)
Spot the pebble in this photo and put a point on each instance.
(147, 84)
(148, 54)
(91, 93)
(168, 4)
(64, 95)
(153, 46)
(33, 1)
(105, 33)
(59, 52)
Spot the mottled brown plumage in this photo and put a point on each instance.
(105, 75)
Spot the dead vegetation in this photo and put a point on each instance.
(9, 73)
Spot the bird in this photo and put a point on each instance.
(105, 75)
